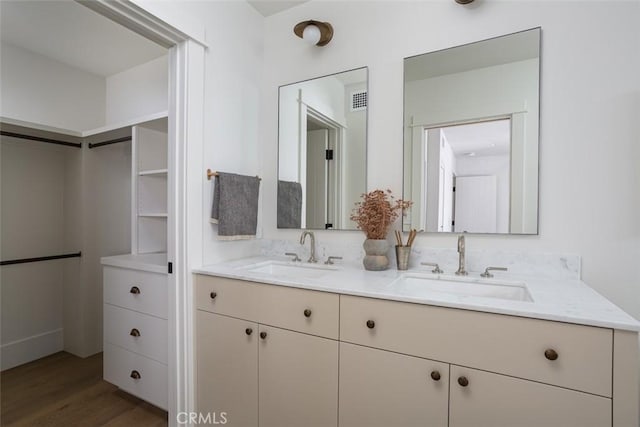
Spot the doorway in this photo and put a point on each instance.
(184, 64)
(322, 163)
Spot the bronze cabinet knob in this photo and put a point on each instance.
(135, 290)
(248, 331)
(551, 354)
(463, 381)
(134, 332)
(213, 295)
(435, 375)
(371, 324)
(135, 375)
(263, 335)
(307, 313)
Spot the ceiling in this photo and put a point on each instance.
(482, 139)
(270, 7)
(68, 32)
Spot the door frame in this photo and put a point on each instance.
(336, 167)
(185, 144)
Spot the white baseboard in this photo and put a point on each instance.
(25, 350)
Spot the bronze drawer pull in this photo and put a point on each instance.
(248, 331)
(435, 375)
(135, 290)
(371, 324)
(263, 335)
(307, 313)
(213, 295)
(135, 375)
(463, 381)
(551, 354)
(134, 332)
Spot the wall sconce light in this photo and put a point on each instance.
(464, 1)
(314, 32)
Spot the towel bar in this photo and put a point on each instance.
(211, 173)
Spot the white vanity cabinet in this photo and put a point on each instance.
(527, 372)
(259, 357)
(402, 363)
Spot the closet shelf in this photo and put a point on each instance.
(153, 215)
(153, 172)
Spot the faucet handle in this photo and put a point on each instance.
(488, 275)
(433, 264)
(295, 256)
(329, 260)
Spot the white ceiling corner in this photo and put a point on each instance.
(68, 32)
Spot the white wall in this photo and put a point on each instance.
(40, 90)
(32, 225)
(138, 91)
(589, 198)
(232, 133)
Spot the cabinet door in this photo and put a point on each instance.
(496, 400)
(227, 369)
(381, 388)
(298, 379)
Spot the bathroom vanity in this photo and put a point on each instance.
(290, 344)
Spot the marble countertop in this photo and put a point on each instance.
(561, 299)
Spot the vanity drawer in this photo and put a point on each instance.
(273, 305)
(152, 386)
(509, 345)
(121, 326)
(137, 290)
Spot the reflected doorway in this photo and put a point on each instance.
(323, 158)
(472, 182)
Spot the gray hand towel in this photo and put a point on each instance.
(235, 206)
(289, 204)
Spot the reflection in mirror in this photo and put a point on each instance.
(471, 118)
(322, 150)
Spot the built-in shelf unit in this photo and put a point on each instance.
(135, 285)
(149, 187)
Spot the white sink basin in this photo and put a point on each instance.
(412, 283)
(290, 269)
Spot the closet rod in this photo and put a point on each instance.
(41, 258)
(40, 139)
(112, 141)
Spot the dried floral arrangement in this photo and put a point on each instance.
(377, 211)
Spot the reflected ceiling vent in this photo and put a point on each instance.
(359, 100)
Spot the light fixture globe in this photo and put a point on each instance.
(308, 31)
(311, 34)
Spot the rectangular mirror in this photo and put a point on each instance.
(471, 120)
(322, 150)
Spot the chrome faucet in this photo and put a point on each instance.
(461, 249)
(312, 257)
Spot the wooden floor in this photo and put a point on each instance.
(65, 390)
